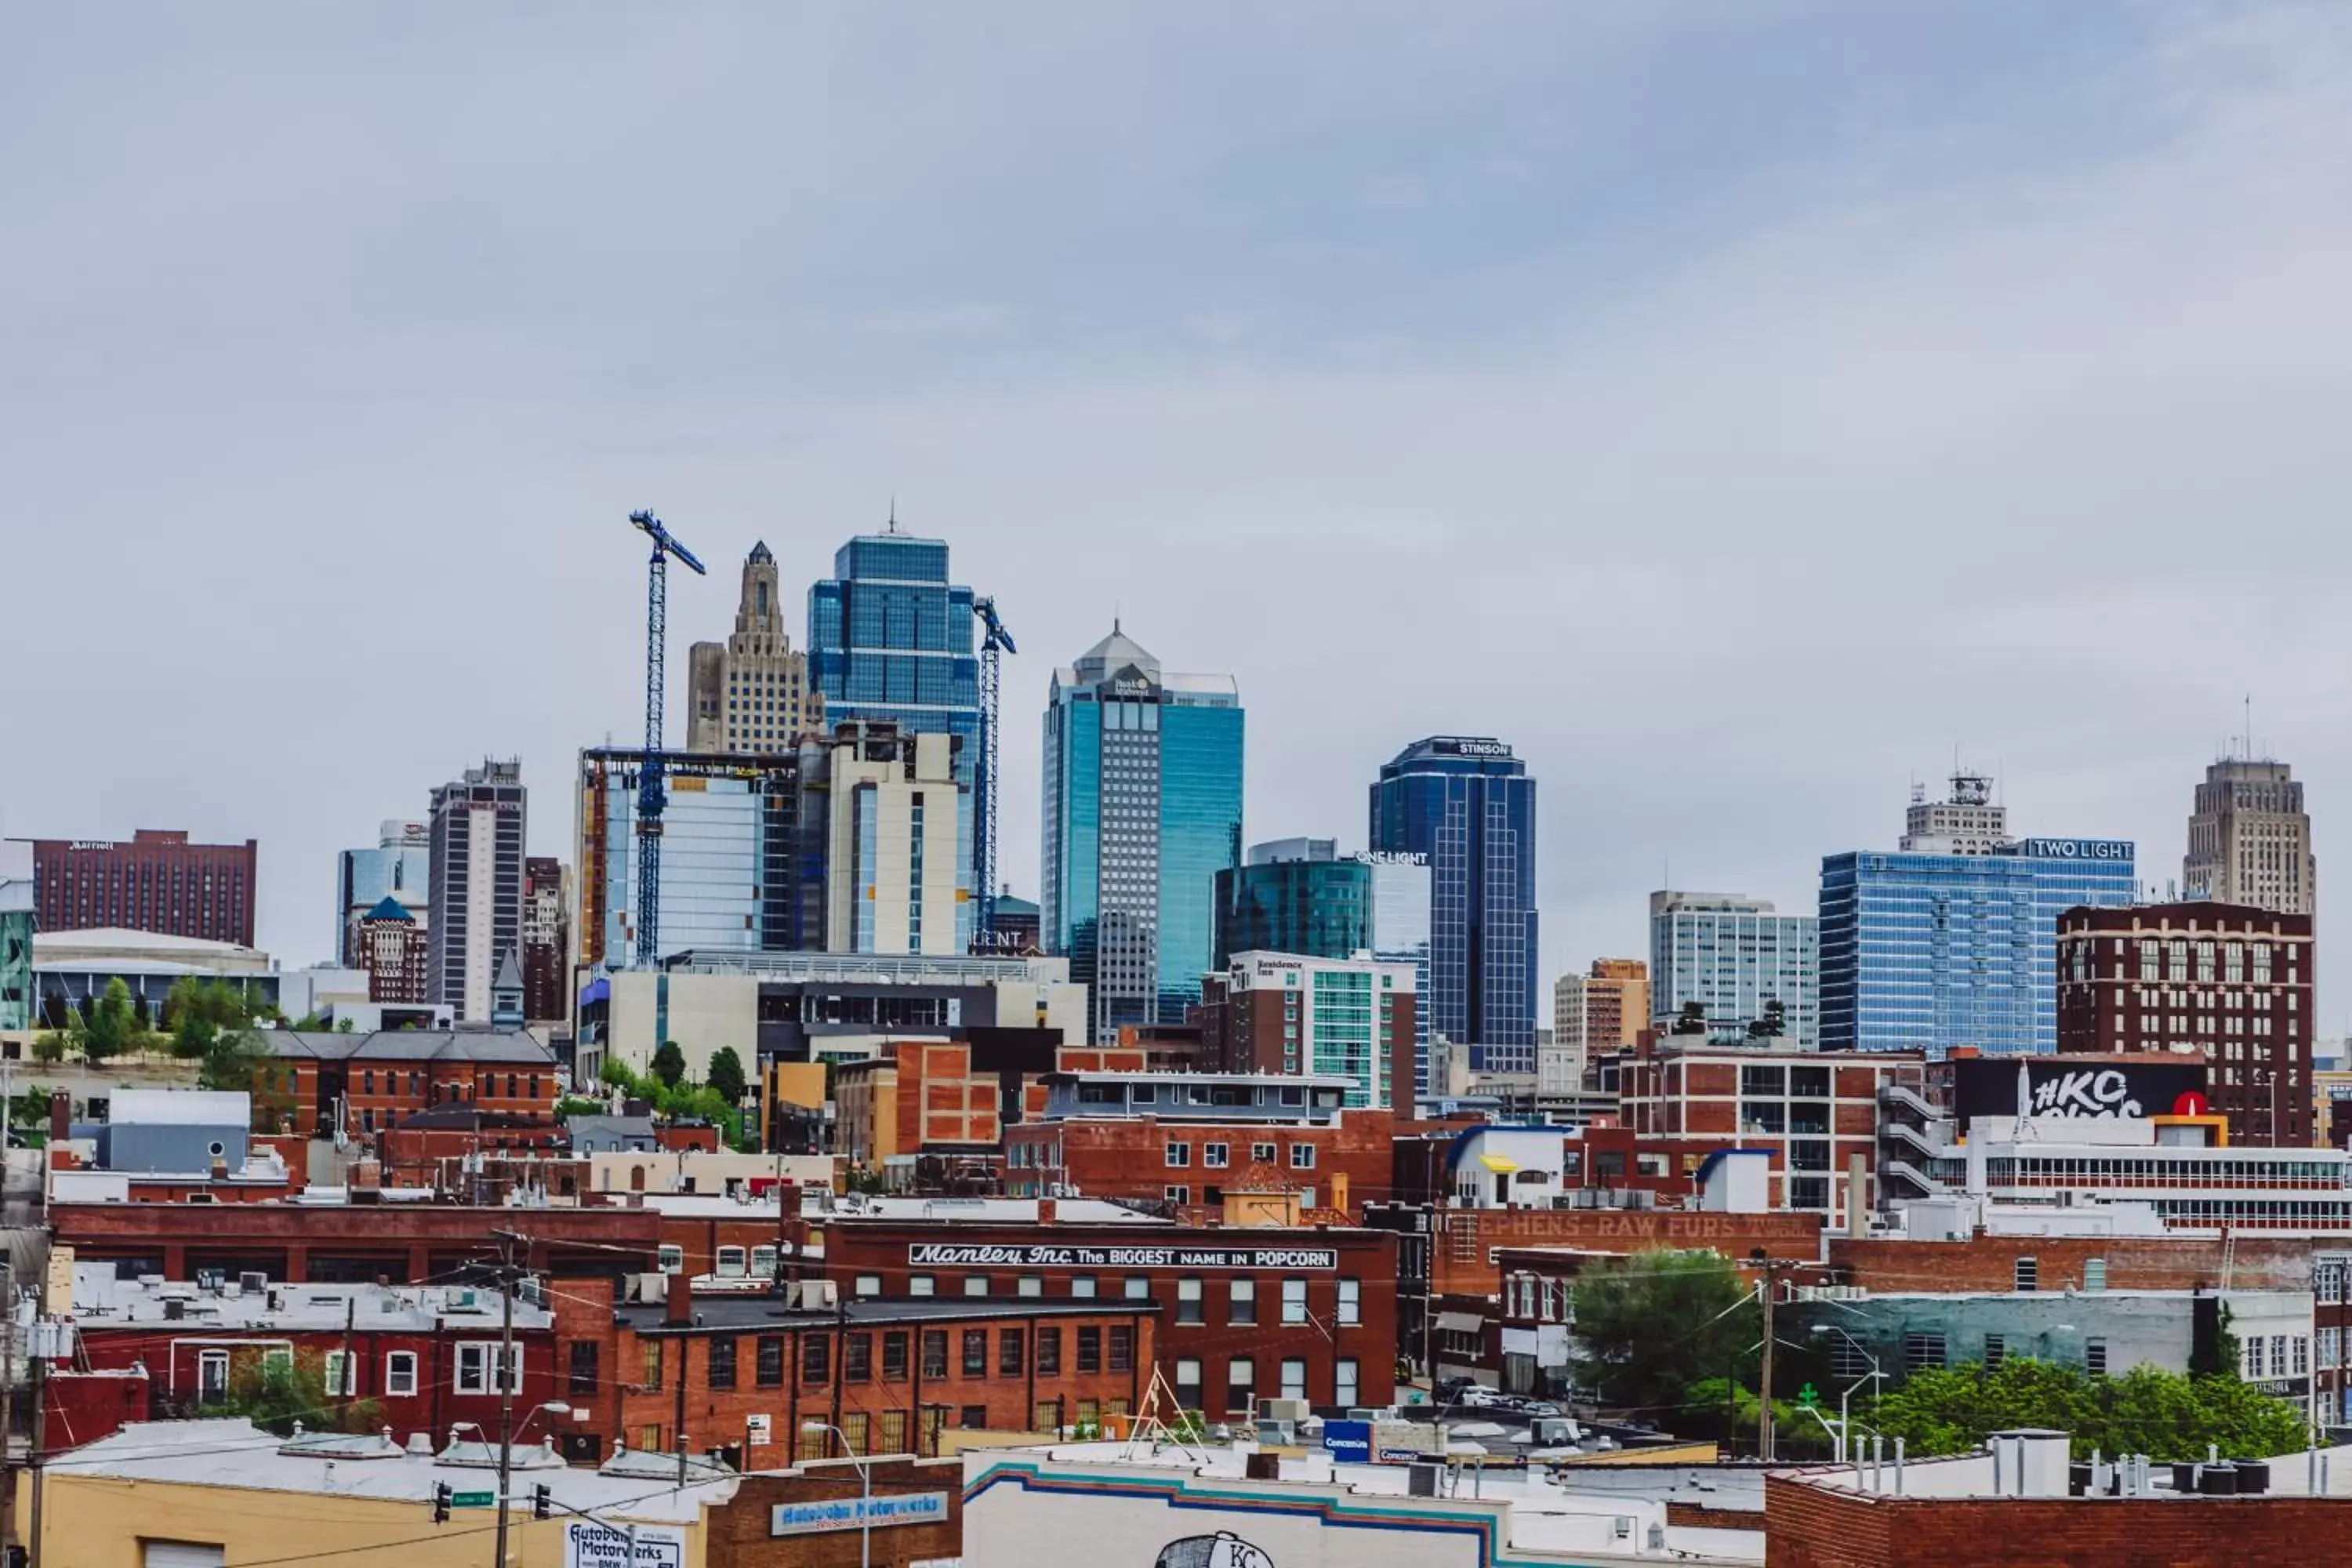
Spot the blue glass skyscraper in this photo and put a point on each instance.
(890, 638)
(1926, 951)
(1143, 809)
(1467, 804)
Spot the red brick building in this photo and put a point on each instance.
(391, 947)
(382, 1080)
(943, 1097)
(157, 882)
(431, 1148)
(742, 1375)
(743, 1534)
(1186, 1140)
(1243, 1313)
(1290, 1014)
(2229, 984)
(1982, 1262)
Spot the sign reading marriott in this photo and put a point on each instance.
(971, 1254)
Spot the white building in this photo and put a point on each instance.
(891, 865)
(1732, 956)
(478, 824)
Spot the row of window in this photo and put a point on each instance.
(1241, 1294)
(475, 1371)
(1218, 1156)
(1096, 1349)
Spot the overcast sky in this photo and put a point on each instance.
(1737, 407)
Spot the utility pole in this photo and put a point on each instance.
(1764, 1395)
(7, 1402)
(506, 1384)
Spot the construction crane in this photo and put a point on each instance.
(651, 797)
(994, 641)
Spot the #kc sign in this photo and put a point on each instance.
(967, 1255)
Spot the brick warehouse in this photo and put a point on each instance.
(741, 1375)
(1243, 1313)
(348, 1243)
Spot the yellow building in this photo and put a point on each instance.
(216, 1494)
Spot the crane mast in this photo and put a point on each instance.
(995, 641)
(651, 795)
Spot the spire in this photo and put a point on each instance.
(892, 526)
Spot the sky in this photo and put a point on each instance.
(1742, 409)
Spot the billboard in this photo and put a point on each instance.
(2085, 1088)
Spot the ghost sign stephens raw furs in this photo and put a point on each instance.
(982, 1255)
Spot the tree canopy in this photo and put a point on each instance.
(274, 1390)
(1651, 1325)
(725, 1075)
(669, 1063)
(2164, 1415)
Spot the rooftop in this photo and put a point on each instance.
(102, 1300)
(410, 1045)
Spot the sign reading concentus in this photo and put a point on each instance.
(969, 1254)
(854, 1513)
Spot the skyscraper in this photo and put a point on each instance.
(1603, 1009)
(1932, 950)
(890, 639)
(1142, 809)
(478, 835)
(1732, 954)
(154, 881)
(546, 939)
(1296, 896)
(890, 815)
(750, 693)
(399, 867)
(1467, 804)
(16, 934)
(2250, 839)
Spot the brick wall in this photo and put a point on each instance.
(1461, 1263)
(1812, 1527)
(739, 1533)
(2133, 1263)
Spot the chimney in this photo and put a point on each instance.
(1857, 1198)
(60, 1117)
(1046, 1209)
(1339, 1190)
(679, 1303)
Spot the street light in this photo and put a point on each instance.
(1874, 1374)
(555, 1408)
(865, 1480)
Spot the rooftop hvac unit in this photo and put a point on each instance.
(253, 1279)
(463, 1300)
(651, 1288)
(1291, 1410)
(820, 1295)
(1421, 1481)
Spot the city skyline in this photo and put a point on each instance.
(1382, 333)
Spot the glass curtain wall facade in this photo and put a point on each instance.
(1467, 805)
(1293, 896)
(1929, 952)
(1400, 935)
(1142, 809)
(890, 638)
(1732, 954)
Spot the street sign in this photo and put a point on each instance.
(473, 1500)
(1809, 1394)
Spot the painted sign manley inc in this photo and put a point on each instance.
(981, 1255)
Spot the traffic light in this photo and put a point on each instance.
(542, 1501)
(441, 1496)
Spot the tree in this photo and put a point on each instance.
(274, 1390)
(241, 1062)
(1651, 1325)
(50, 1048)
(1772, 1023)
(669, 1063)
(1691, 1020)
(2164, 1415)
(725, 1075)
(112, 1025)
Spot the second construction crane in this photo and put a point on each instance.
(651, 795)
(995, 641)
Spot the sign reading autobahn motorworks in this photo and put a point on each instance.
(981, 1255)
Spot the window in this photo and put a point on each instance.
(1343, 1391)
(212, 1376)
(1996, 1349)
(1350, 1304)
(935, 1353)
(1294, 1301)
(2278, 1355)
(975, 1284)
(1216, 1155)
(670, 1260)
(973, 1416)
(1177, 1194)
(1262, 1152)
(400, 1371)
(1082, 1286)
(2025, 1274)
(815, 1359)
(2302, 1356)
(1294, 1380)
(579, 1380)
(1179, 1155)
(1187, 1382)
(1030, 1285)
(2327, 1281)
(653, 1363)
(1122, 1348)
(2094, 1274)
(868, 1285)
(478, 1363)
(732, 1264)
(1008, 1352)
(342, 1377)
(1921, 1351)
(1243, 1306)
(771, 1361)
(2250, 1358)
(2331, 1346)
(1302, 1156)
(1241, 1383)
(975, 1352)
(1049, 1351)
(1089, 1351)
(857, 1358)
(722, 1362)
(1187, 1301)
(763, 1263)
(894, 1356)
(1137, 1287)
(2094, 1357)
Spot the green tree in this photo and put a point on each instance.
(1691, 1020)
(274, 1390)
(2164, 1415)
(573, 1105)
(669, 1063)
(725, 1075)
(1650, 1325)
(2219, 1356)
(241, 1061)
(112, 1025)
(50, 1048)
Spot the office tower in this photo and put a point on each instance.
(156, 881)
(399, 867)
(389, 944)
(2250, 839)
(1604, 1009)
(2225, 982)
(1965, 823)
(890, 641)
(1467, 805)
(478, 835)
(1294, 895)
(1930, 951)
(16, 934)
(546, 939)
(1142, 809)
(1400, 912)
(1294, 1013)
(1017, 926)
(742, 864)
(891, 871)
(1732, 954)
(750, 693)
